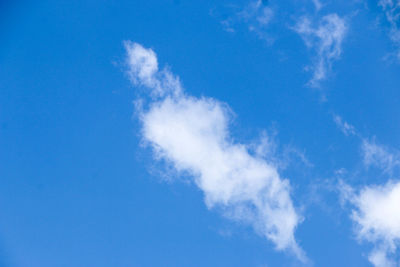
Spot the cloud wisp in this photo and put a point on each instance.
(346, 128)
(317, 4)
(259, 11)
(373, 154)
(257, 16)
(391, 8)
(378, 156)
(192, 135)
(326, 41)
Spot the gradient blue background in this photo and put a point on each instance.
(78, 189)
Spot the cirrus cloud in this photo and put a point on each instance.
(326, 40)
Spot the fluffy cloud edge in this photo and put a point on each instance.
(376, 216)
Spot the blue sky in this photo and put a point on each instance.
(199, 133)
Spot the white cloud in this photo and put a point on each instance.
(345, 127)
(376, 215)
(378, 156)
(376, 208)
(392, 13)
(143, 70)
(192, 134)
(379, 258)
(326, 39)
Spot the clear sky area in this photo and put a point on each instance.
(199, 133)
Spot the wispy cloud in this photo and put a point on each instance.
(257, 15)
(391, 8)
(372, 153)
(317, 4)
(258, 11)
(378, 156)
(346, 128)
(326, 40)
(376, 215)
(192, 134)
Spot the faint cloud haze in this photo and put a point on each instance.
(346, 128)
(391, 9)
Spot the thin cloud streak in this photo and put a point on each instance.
(346, 128)
(379, 156)
(392, 13)
(257, 15)
(326, 40)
